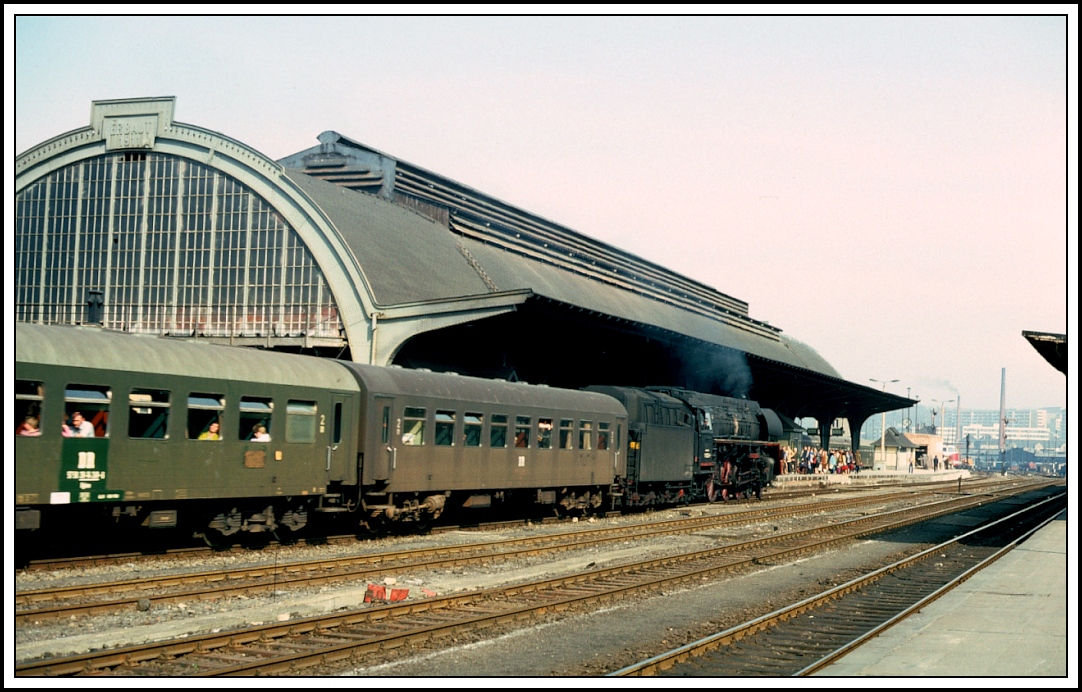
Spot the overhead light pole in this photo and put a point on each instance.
(883, 426)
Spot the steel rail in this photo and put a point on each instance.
(486, 606)
(230, 581)
(731, 636)
(37, 565)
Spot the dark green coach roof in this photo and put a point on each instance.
(93, 347)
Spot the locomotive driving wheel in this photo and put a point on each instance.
(713, 494)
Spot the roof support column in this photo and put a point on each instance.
(856, 424)
(824, 419)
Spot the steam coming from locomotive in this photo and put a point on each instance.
(725, 372)
(736, 374)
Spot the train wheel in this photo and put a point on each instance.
(711, 491)
(215, 540)
(376, 526)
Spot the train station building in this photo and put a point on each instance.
(140, 223)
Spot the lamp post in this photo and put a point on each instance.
(883, 428)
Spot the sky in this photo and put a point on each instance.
(892, 191)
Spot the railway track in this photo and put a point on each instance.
(324, 640)
(108, 597)
(806, 636)
(161, 555)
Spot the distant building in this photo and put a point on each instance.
(1042, 430)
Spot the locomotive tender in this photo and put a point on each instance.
(229, 440)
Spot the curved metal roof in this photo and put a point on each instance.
(408, 258)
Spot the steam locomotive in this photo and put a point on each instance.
(123, 429)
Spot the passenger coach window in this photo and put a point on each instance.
(255, 419)
(337, 423)
(413, 433)
(567, 433)
(148, 414)
(28, 399)
(522, 431)
(300, 421)
(205, 411)
(585, 434)
(385, 426)
(86, 410)
(602, 435)
(544, 433)
(497, 431)
(471, 429)
(445, 428)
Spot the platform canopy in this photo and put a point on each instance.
(1053, 347)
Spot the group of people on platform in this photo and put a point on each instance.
(815, 460)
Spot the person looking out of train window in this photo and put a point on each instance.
(29, 427)
(80, 427)
(211, 433)
(259, 434)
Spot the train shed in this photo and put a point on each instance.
(145, 224)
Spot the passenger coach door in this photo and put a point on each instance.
(385, 450)
(339, 437)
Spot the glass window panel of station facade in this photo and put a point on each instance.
(174, 247)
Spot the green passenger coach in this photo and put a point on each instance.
(141, 426)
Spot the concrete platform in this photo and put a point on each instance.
(796, 481)
(1009, 620)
